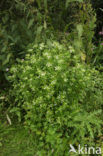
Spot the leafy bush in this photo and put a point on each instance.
(55, 92)
(22, 22)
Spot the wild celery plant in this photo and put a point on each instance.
(55, 91)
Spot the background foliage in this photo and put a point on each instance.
(23, 22)
(67, 34)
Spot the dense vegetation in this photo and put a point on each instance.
(51, 76)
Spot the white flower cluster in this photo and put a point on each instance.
(41, 46)
(41, 73)
(47, 55)
(62, 96)
(60, 61)
(33, 59)
(7, 69)
(53, 82)
(71, 49)
(57, 68)
(57, 45)
(48, 64)
(46, 87)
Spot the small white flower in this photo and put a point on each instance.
(43, 73)
(23, 86)
(48, 64)
(53, 82)
(71, 49)
(56, 44)
(58, 68)
(60, 61)
(65, 80)
(46, 88)
(41, 46)
(33, 60)
(48, 56)
(7, 69)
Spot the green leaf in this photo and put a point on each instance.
(0, 144)
(7, 59)
(39, 3)
(39, 29)
(45, 4)
(30, 23)
(80, 30)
